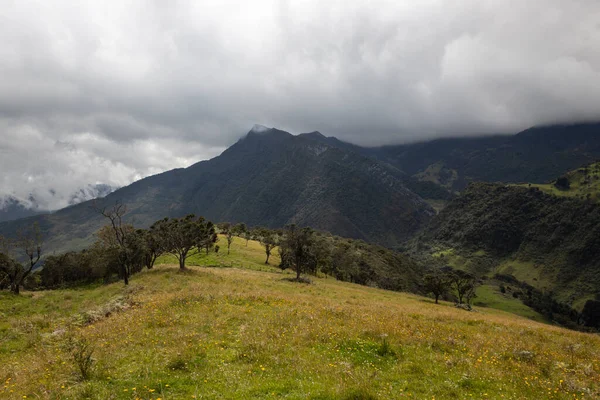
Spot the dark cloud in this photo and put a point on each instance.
(108, 92)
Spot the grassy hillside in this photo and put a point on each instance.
(583, 183)
(219, 332)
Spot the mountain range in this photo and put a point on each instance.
(383, 194)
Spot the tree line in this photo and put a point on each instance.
(121, 250)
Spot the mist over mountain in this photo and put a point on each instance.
(12, 208)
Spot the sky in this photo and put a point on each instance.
(112, 91)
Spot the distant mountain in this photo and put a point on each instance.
(12, 208)
(536, 155)
(547, 241)
(269, 178)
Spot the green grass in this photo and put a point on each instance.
(250, 256)
(232, 333)
(490, 296)
(525, 271)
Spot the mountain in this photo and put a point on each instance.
(536, 155)
(547, 241)
(269, 178)
(12, 208)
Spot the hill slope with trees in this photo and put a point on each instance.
(549, 242)
(210, 332)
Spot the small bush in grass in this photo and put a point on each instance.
(178, 363)
(80, 351)
(385, 349)
(358, 394)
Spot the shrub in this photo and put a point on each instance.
(80, 351)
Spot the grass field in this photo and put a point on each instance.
(490, 296)
(229, 333)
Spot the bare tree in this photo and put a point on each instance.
(121, 234)
(29, 242)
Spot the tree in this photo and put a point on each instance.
(463, 285)
(13, 273)
(298, 249)
(562, 183)
(436, 282)
(591, 313)
(154, 246)
(247, 236)
(268, 239)
(117, 236)
(184, 237)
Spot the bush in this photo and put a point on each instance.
(81, 352)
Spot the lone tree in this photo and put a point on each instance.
(562, 183)
(437, 283)
(298, 249)
(184, 237)
(29, 241)
(229, 231)
(463, 285)
(268, 239)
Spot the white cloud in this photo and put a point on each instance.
(131, 88)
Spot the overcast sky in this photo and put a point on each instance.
(111, 91)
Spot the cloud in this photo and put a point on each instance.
(108, 92)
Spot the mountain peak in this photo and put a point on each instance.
(257, 128)
(313, 135)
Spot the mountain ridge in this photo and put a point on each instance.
(268, 178)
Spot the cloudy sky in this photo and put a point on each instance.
(111, 91)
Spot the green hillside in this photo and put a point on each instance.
(582, 183)
(247, 333)
(549, 242)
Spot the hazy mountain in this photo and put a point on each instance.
(12, 208)
(536, 155)
(269, 178)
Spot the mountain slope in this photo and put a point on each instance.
(536, 155)
(550, 242)
(271, 178)
(11, 209)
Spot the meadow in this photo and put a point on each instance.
(232, 328)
